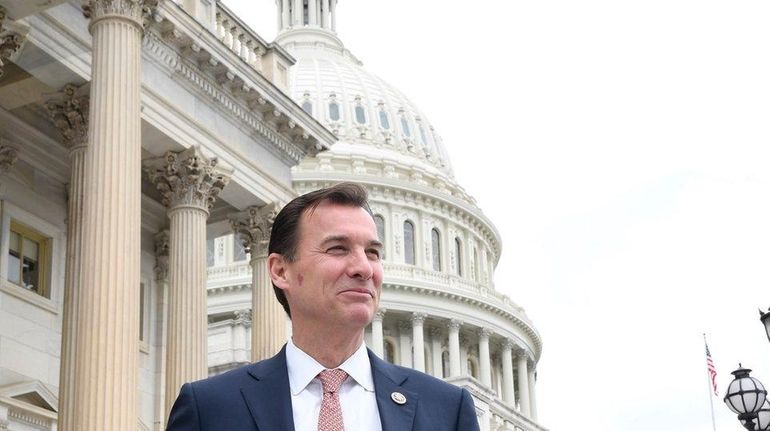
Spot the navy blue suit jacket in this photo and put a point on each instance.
(257, 397)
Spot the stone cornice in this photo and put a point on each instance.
(482, 304)
(188, 49)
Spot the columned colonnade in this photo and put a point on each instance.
(448, 332)
(316, 13)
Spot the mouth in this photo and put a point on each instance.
(359, 291)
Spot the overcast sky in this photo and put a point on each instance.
(622, 149)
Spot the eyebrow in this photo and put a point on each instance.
(342, 238)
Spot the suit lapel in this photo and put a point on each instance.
(268, 396)
(387, 380)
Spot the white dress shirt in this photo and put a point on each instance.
(357, 397)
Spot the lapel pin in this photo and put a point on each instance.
(398, 398)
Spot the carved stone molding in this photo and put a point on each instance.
(243, 316)
(188, 178)
(8, 156)
(138, 11)
(12, 37)
(484, 332)
(454, 324)
(418, 318)
(253, 226)
(380, 314)
(162, 240)
(69, 112)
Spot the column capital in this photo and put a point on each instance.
(508, 344)
(243, 316)
(418, 318)
(12, 37)
(380, 314)
(485, 333)
(138, 11)
(162, 239)
(188, 178)
(455, 324)
(69, 112)
(9, 154)
(253, 226)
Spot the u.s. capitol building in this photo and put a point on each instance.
(145, 147)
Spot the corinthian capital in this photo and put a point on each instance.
(162, 240)
(8, 156)
(69, 113)
(188, 178)
(253, 227)
(12, 37)
(135, 10)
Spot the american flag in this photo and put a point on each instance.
(711, 369)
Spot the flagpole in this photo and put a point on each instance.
(710, 392)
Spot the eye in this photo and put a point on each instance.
(373, 253)
(337, 249)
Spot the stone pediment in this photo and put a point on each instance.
(33, 393)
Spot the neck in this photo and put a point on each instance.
(329, 348)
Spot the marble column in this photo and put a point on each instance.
(285, 18)
(378, 346)
(333, 13)
(107, 330)
(454, 348)
(507, 363)
(532, 397)
(268, 330)
(312, 11)
(162, 242)
(325, 14)
(418, 341)
(435, 351)
(299, 10)
(69, 113)
(189, 183)
(485, 370)
(405, 344)
(523, 377)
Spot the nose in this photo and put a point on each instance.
(360, 266)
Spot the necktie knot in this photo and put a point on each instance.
(331, 380)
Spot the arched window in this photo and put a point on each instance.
(405, 127)
(458, 256)
(307, 106)
(334, 111)
(360, 114)
(384, 121)
(476, 269)
(379, 221)
(390, 351)
(409, 243)
(423, 136)
(435, 240)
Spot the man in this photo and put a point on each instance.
(326, 271)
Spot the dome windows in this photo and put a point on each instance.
(435, 240)
(360, 114)
(379, 221)
(307, 106)
(458, 269)
(404, 124)
(335, 113)
(409, 243)
(383, 114)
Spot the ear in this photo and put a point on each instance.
(277, 267)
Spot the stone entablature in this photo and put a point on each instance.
(190, 50)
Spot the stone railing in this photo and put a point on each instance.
(239, 271)
(241, 39)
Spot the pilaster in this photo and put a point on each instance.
(268, 331)
(69, 113)
(377, 335)
(454, 348)
(162, 244)
(189, 183)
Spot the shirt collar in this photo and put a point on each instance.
(303, 368)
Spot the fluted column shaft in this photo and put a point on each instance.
(435, 352)
(189, 183)
(298, 13)
(268, 329)
(418, 341)
(378, 346)
(484, 363)
(107, 329)
(312, 9)
(162, 245)
(523, 384)
(454, 348)
(69, 112)
(507, 360)
(325, 14)
(333, 13)
(532, 397)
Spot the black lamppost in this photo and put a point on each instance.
(746, 396)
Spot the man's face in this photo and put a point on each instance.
(336, 276)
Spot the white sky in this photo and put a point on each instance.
(621, 148)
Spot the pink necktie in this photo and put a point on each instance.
(330, 418)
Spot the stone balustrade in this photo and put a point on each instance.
(241, 39)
